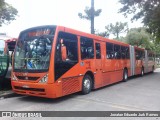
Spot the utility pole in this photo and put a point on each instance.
(92, 16)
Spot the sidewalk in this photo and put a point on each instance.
(6, 89)
(7, 94)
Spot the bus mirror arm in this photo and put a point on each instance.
(63, 53)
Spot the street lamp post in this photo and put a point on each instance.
(92, 16)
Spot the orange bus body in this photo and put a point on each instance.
(102, 67)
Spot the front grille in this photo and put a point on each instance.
(30, 89)
(27, 78)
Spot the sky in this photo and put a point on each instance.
(33, 13)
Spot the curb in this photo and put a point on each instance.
(8, 94)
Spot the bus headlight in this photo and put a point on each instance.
(44, 79)
(14, 77)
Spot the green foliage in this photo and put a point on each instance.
(117, 29)
(88, 12)
(7, 13)
(140, 37)
(157, 48)
(148, 10)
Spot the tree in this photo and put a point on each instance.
(140, 38)
(117, 29)
(103, 34)
(157, 49)
(147, 10)
(7, 13)
(90, 13)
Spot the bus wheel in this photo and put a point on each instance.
(142, 71)
(125, 75)
(86, 84)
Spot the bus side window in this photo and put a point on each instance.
(127, 53)
(70, 42)
(109, 49)
(87, 49)
(139, 55)
(63, 64)
(123, 50)
(117, 51)
(98, 51)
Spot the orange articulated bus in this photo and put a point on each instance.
(54, 61)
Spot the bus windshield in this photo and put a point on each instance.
(32, 52)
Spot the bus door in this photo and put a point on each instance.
(98, 64)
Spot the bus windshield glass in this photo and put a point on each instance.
(32, 52)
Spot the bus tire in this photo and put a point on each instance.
(0, 84)
(86, 84)
(142, 71)
(125, 75)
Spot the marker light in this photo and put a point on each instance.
(14, 77)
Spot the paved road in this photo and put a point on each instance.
(137, 94)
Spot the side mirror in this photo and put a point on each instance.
(63, 53)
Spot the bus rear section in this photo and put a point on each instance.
(141, 60)
(150, 61)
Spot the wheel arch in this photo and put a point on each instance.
(90, 73)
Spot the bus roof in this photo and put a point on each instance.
(80, 33)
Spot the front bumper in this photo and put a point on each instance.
(36, 89)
